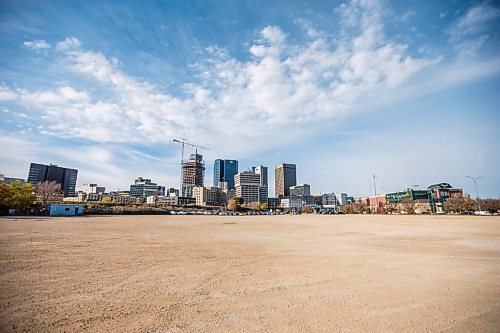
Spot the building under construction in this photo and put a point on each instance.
(193, 174)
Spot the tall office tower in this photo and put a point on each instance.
(64, 176)
(262, 171)
(224, 171)
(193, 174)
(285, 175)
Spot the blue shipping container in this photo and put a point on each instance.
(65, 210)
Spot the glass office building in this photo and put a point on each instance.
(224, 171)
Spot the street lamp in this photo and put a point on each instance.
(477, 193)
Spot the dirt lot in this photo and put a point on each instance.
(252, 274)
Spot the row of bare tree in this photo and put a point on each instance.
(466, 204)
(48, 192)
(459, 205)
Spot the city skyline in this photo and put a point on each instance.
(406, 91)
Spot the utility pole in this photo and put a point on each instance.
(477, 193)
(375, 190)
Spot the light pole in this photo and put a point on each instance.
(477, 193)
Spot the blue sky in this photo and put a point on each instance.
(406, 90)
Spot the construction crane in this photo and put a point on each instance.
(183, 143)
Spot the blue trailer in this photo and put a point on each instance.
(65, 210)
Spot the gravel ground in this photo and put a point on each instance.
(250, 274)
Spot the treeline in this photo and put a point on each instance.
(459, 205)
(28, 199)
(110, 208)
(32, 200)
(18, 196)
(466, 204)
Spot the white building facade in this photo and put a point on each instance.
(92, 188)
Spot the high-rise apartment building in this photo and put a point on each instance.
(224, 171)
(285, 177)
(64, 176)
(193, 174)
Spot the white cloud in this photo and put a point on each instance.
(285, 89)
(6, 94)
(16, 151)
(68, 43)
(95, 163)
(474, 22)
(469, 33)
(407, 15)
(477, 17)
(37, 44)
(60, 96)
(273, 34)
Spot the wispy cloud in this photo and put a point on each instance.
(283, 86)
(68, 43)
(37, 44)
(477, 17)
(96, 163)
(407, 15)
(257, 93)
(470, 32)
(473, 22)
(6, 94)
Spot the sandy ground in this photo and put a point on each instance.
(250, 274)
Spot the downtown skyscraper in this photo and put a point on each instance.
(285, 175)
(224, 171)
(262, 172)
